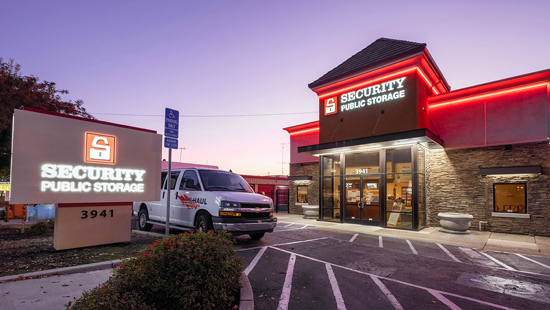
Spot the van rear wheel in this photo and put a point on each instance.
(204, 222)
(257, 236)
(143, 217)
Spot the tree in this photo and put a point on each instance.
(17, 91)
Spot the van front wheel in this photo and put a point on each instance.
(204, 222)
(142, 219)
(257, 236)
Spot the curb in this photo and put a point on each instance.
(66, 270)
(247, 296)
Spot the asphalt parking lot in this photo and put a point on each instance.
(304, 267)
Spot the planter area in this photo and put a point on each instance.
(456, 223)
(310, 212)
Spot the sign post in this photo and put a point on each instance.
(171, 128)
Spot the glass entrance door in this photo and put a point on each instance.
(362, 204)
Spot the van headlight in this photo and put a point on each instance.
(230, 204)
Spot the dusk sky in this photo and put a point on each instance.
(218, 62)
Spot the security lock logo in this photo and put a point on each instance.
(100, 148)
(331, 105)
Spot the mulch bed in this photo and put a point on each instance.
(22, 253)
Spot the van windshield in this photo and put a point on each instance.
(216, 180)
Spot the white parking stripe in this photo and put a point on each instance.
(353, 238)
(335, 288)
(532, 260)
(444, 300)
(449, 253)
(401, 282)
(497, 261)
(289, 224)
(287, 287)
(380, 242)
(255, 260)
(279, 244)
(387, 292)
(412, 247)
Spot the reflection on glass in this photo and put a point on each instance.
(331, 165)
(362, 163)
(331, 198)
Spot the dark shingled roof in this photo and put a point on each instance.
(381, 50)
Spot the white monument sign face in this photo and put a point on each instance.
(66, 159)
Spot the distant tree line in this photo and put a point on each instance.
(16, 92)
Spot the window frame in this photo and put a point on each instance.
(297, 193)
(510, 183)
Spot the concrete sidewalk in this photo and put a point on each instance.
(483, 240)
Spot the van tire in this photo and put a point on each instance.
(204, 222)
(257, 236)
(143, 217)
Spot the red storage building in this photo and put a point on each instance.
(394, 145)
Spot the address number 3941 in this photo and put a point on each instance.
(94, 213)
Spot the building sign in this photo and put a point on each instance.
(331, 105)
(59, 159)
(371, 95)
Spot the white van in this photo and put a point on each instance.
(208, 199)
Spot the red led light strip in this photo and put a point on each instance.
(493, 94)
(383, 78)
(304, 131)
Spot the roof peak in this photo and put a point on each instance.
(380, 51)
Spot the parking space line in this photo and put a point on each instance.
(280, 244)
(444, 300)
(497, 261)
(287, 287)
(380, 242)
(340, 305)
(289, 225)
(400, 282)
(255, 260)
(532, 260)
(449, 253)
(353, 238)
(412, 247)
(387, 292)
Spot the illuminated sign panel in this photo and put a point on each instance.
(100, 148)
(60, 159)
(374, 94)
(331, 105)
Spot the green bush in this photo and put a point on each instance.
(188, 271)
(39, 228)
(106, 297)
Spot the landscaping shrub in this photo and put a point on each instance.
(187, 271)
(106, 297)
(39, 228)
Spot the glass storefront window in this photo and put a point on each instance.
(302, 194)
(363, 163)
(331, 199)
(331, 165)
(510, 197)
(399, 188)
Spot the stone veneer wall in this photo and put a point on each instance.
(305, 169)
(454, 184)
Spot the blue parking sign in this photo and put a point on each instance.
(171, 128)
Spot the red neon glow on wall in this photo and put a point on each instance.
(304, 131)
(491, 94)
(339, 91)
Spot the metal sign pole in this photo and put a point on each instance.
(168, 185)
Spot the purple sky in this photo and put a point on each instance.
(251, 57)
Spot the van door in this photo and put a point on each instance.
(189, 198)
(160, 214)
(154, 206)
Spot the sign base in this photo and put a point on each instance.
(87, 224)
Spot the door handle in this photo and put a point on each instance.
(163, 193)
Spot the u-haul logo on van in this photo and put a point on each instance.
(100, 148)
(331, 105)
